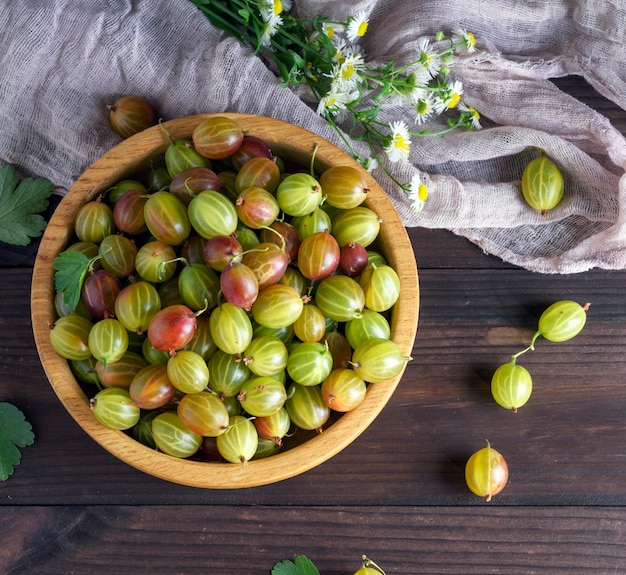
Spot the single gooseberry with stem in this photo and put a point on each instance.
(511, 385)
(486, 472)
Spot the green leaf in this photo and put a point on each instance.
(245, 15)
(302, 566)
(15, 432)
(71, 269)
(21, 204)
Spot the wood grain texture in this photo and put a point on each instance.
(231, 540)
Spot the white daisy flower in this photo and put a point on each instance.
(270, 8)
(424, 108)
(453, 94)
(427, 57)
(269, 29)
(418, 193)
(473, 114)
(398, 146)
(350, 68)
(332, 30)
(370, 164)
(465, 40)
(333, 102)
(357, 26)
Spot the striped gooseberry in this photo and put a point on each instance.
(231, 328)
(563, 320)
(239, 442)
(69, 336)
(186, 184)
(204, 413)
(299, 194)
(151, 387)
(128, 211)
(173, 437)
(266, 355)
(309, 363)
(212, 214)
(277, 306)
(227, 372)
(166, 218)
(172, 328)
(100, 292)
(199, 286)
(378, 359)
(343, 390)
(511, 385)
(360, 225)
(94, 221)
(340, 298)
(258, 172)
(318, 256)
(188, 371)
(136, 304)
(217, 137)
(114, 408)
(381, 287)
(118, 255)
(262, 395)
(542, 184)
(130, 115)
(344, 187)
(120, 373)
(486, 472)
(306, 407)
(108, 340)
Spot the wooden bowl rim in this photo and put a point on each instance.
(121, 162)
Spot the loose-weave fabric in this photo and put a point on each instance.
(62, 62)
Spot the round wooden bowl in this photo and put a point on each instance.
(125, 160)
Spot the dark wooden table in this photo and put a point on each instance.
(398, 493)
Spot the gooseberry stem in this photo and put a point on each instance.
(531, 347)
(367, 562)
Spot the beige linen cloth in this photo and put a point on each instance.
(63, 61)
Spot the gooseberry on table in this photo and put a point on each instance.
(486, 472)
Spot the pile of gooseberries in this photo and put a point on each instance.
(231, 300)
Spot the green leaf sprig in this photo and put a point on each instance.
(21, 204)
(15, 432)
(71, 268)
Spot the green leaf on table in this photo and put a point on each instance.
(21, 204)
(302, 566)
(71, 269)
(15, 432)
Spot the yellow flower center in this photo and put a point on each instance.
(347, 72)
(474, 112)
(453, 100)
(278, 7)
(471, 39)
(362, 29)
(401, 143)
(422, 192)
(330, 32)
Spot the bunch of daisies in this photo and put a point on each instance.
(326, 56)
